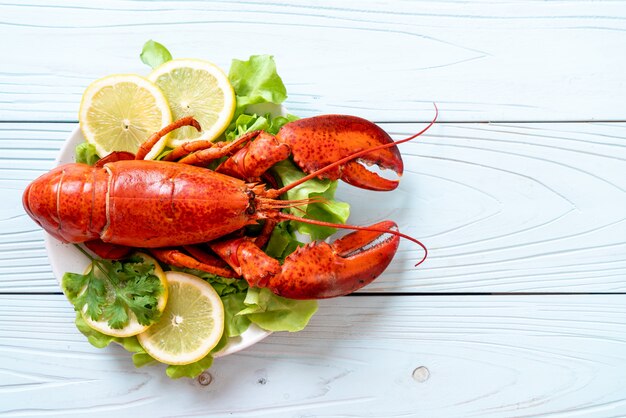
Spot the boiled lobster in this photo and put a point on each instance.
(125, 201)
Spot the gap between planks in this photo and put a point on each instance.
(447, 122)
(385, 294)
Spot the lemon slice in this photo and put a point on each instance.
(191, 325)
(133, 327)
(119, 112)
(196, 88)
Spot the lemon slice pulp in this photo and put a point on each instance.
(191, 325)
(133, 327)
(119, 112)
(196, 88)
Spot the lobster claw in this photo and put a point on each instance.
(320, 270)
(321, 140)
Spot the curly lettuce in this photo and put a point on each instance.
(256, 81)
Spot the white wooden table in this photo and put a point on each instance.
(519, 192)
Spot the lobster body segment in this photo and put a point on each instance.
(159, 204)
(146, 204)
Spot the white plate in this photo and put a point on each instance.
(66, 258)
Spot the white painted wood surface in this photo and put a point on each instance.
(483, 356)
(515, 208)
(384, 60)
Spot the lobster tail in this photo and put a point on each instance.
(69, 202)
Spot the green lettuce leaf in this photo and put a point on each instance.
(275, 313)
(100, 340)
(329, 211)
(279, 121)
(154, 54)
(194, 369)
(189, 370)
(234, 325)
(246, 123)
(256, 81)
(86, 153)
(222, 285)
(282, 242)
(95, 338)
(131, 344)
(142, 359)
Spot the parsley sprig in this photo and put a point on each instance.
(111, 289)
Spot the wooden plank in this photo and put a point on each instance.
(502, 207)
(487, 356)
(509, 207)
(26, 152)
(384, 60)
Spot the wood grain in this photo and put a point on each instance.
(502, 207)
(506, 207)
(405, 356)
(384, 60)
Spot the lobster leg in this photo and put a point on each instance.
(207, 263)
(252, 161)
(222, 149)
(266, 232)
(189, 147)
(317, 270)
(145, 148)
(108, 251)
(247, 260)
(204, 257)
(114, 156)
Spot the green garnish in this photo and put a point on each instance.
(110, 290)
(86, 153)
(256, 81)
(154, 54)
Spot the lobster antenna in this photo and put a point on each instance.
(278, 192)
(283, 204)
(286, 216)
